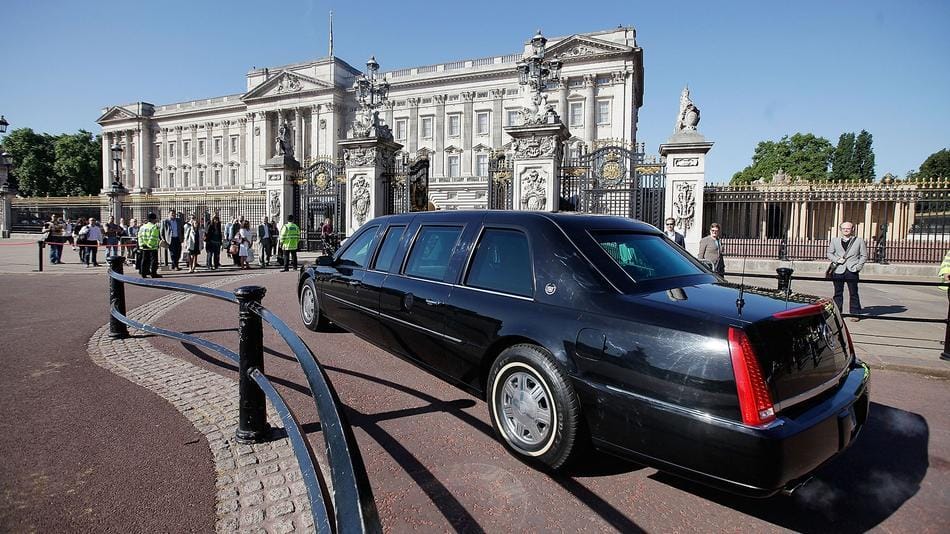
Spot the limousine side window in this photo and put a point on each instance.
(502, 262)
(430, 254)
(384, 259)
(357, 254)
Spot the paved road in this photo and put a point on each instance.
(88, 451)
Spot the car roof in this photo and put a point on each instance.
(566, 220)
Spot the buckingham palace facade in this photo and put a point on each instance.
(454, 112)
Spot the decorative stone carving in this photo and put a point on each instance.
(618, 77)
(282, 143)
(533, 195)
(288, 84)
(413, 102)
(685, 162)
(498, 93)
(440, 99)
(688, 117)
(590, 80)
(468, 96)
(581, 50)
(361, 200)
(534, 146)
(274, 199)
(612, 171)
(360, 156)
(684, 205)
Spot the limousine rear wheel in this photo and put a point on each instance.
(310, 313)
(533, 406)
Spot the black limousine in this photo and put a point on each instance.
(581, 329)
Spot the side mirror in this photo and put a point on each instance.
(325, 261)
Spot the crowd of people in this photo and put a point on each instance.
(179, 240)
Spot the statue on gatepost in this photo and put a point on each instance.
(283, 143)
(688, 117)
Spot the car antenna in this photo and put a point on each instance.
(740, 302)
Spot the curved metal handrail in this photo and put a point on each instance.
(353, 508)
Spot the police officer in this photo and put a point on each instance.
(149, 236)
(289, 236)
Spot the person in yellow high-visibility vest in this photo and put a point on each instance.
(149, 236)
(289, 238)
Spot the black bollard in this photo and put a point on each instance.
(252, 418)
(40, 244)
(117, 329)
(784, 278)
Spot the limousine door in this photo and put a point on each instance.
(346, 302)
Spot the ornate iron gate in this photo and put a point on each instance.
(500, 172)
(318, 195)
(614, 180)
(407, 185)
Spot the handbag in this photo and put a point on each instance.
(234, 249)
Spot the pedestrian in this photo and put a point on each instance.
(192, 242)
(173, 229)
(264, 238)
(78, 241)
(289, 237)
(132, 234)
(244, 244)
(710, 250)
(274, 232)
(213, 239)
(149, 236)
(670, 231)
(113, 233)
(68, 228)
(92, 236)
(53, 235)
(847, 255)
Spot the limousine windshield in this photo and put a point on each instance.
(645, 256)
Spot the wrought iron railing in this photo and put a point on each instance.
(346, 503)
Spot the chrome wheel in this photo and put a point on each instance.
(308, 303)
(525, 409)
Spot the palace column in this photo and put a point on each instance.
(179, 148)
(334, 118)
(413, 125)
(685, 155)
(439, 135)
(388, 114)
(590, 124)
(166, 135)
(497, 112)
(267, 143)
(562, 93)
(107, 140)
(143, 152)
(128, 166)
(242, 153)
(467, 132)
(315, 132)
(209, 154)
(298, 135)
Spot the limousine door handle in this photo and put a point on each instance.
(431, 302)
(353, 283)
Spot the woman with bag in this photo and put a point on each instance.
(192, 243)
(244, 247)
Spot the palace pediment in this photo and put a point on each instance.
(578, 46)
(117, 113)
(286, 83)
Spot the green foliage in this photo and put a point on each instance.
(43, 164)
(864, 156)
(804, 155)
(937, 165)
(842, 162)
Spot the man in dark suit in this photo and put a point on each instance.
(173, 230)
(710, 249)
(670, 230)
(264, 237)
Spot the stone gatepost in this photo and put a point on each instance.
(7, 194)
(368, 161)
(685, 155)
(536, 180)
(280, 172)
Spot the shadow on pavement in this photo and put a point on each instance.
(875, 311)
(856, 491)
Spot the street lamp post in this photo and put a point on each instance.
(3, 124)
(535, 72)
(371, 94)
(6, 192)
(116, 190)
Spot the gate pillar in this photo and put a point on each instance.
(536, 178)
(685, 155)
(280, 172)
(370, 161)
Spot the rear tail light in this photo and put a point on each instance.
(755, 401)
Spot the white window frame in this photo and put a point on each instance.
(201, 178)
(171, 149)
(235, 143)
(600, 116)
(217, 146)
(571, 106)
(449, 159)
(455, 131)
(481, 160)
(422, 126)
(400, 129)
(201, 147)
(171, 179)
(511, 117)
(186, 149)
(217, 177)
(185, 179)
(233, 176)
(478, 122)
(158, 151)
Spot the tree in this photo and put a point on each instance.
(33, 158)
(842, 161)
(804, 155)
(864, 156)
(937, 165)
(78, 164)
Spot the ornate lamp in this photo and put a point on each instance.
(371, 93)
(117, 161)
(3, 124)
(535, 72)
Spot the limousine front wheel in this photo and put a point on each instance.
(310, 313)
(533, 406)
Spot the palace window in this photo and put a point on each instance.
(186, 149)
(426, 127)
(217, 146)
(185, 178)
(603, 112)
(201, 147)
(158, 151)
(482, 122)
(234, 176)
(455, 125)
(201, 178)
(217, 177)
(171, 149)
(512, 117)
(453, 165)
(577, 114)
(481, 165)
(400, 129)
(171, 179)
(234, 144)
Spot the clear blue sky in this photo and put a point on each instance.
(757, 70)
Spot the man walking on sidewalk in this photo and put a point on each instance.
(289, 237)
(849, 253)
(264, 237)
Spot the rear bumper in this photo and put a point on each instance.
(726, 454)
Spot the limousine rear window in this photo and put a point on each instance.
(502, 262)
(645, 256)
(431, 252)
